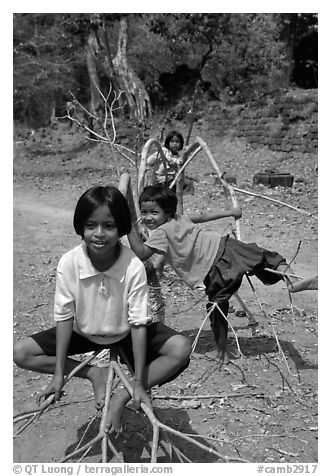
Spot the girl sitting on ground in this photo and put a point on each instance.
(101, 300)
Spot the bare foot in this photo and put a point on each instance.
(113, 421)
(224, 356)
(98, 378)
(310, 284)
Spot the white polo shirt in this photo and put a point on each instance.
(104, 304)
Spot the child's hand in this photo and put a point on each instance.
(236, 212)
(54, 386)
(140, 395)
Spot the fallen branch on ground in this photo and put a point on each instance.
(201, 397)
(40, 408)
(157, 425)
(258, 195)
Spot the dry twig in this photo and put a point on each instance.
(156, 424)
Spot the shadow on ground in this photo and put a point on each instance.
(134, 443)
(261, 345)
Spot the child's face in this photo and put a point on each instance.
(152, 215)
(175, 145)
(101, 234)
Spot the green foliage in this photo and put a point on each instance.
(46, 57)
(148, 52)
(239, 54)
(236, 52)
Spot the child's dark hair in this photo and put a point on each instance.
(98, 196)
(162, 195)
(171, 135)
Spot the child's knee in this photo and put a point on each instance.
(22, 351)
(181, 348)
(18, 354)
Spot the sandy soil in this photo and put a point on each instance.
(263, 405)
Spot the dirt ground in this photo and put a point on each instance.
(263, 405)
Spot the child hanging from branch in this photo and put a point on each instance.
(205, 259)
(100, 300)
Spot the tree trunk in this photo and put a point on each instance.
(288, 35)
(136, 94)
(103, 37)
(92, 50)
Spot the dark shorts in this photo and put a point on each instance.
(157, 336)
(233, 260)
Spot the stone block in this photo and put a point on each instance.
(261, 178)
(283, 180)
(273, 179)
(231, 179)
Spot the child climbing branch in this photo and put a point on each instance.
(205, 259)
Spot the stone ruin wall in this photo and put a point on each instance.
(286, 122)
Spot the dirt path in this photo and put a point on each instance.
(31, 205)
